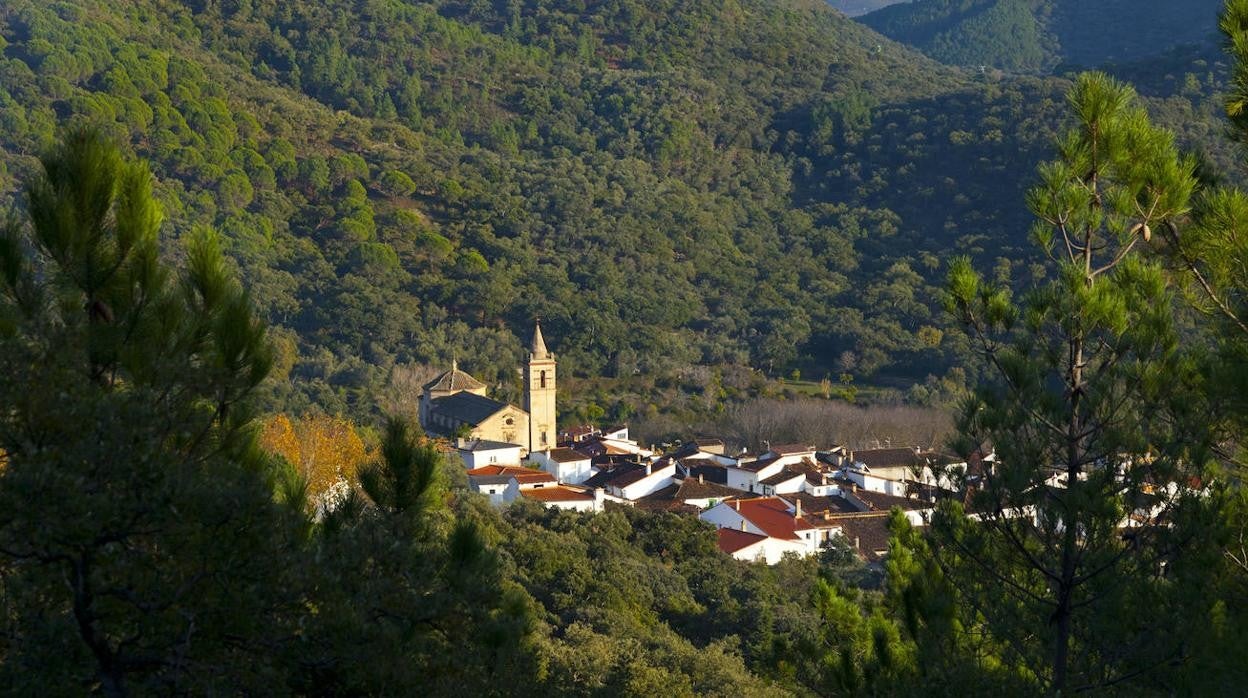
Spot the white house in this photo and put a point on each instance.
(871, 482)
(565, 464)
(784, 482)
(477, 453)
(566, 497)
(755, 547)
(495, 480)
(782, 522)
(748, 476)
(525, 479)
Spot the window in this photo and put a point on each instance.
(510, 421)
(543, 438)
(543, 380)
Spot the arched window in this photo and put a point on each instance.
(543, 379)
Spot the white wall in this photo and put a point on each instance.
(572, 472)
(496, 493)
(503, 456)
(722, 515)
(655, 481)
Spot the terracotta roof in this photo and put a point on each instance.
(759, 463)
(558, 493)
(608, 475)
(567, 455)
(731, 540)
(772, 515)
(791, 449)
(887, 457)
(690, 488)
(869, 533)
(814, 507)
(635, 476)
(782, 476)
(467, 407)
(453, 380)
(498, 474)
(499, 470)
(665, 500)
(532, 476)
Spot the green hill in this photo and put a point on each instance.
(667, 184)
(855, 8)
(1039, 35)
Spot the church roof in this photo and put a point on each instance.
(453, 380)
(467, 407)
(538, 349)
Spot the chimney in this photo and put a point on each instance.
(742, 524)
(857, 543)
(701, 480)
(797, 513)
(649, 468)
(736, 504)
(853, 487)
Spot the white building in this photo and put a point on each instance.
(783, 524)
(477, 453)
(566, 465)
(749, 476)
(645, 480)
(499, 482)
(567, 497)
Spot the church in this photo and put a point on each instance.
(455, 404)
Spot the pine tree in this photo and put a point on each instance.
(1085, 533)
(140, 543)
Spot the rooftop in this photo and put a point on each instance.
(791, 449)
(868, 535)
(466, 407)
(731, 540)
(690, 488)
(772, 515)
(558, 493)
(887, 457)
(486, 445)
(878, 501)
(453, 380)
(782, 476)
(567, 455)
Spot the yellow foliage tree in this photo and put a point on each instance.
(326, 450)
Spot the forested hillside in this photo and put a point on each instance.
(1040, 35)
(854, 8)
(763, 184)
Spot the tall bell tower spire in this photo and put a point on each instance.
(539, 394)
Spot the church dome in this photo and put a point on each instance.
(453, 381)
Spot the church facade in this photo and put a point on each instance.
(455, 404)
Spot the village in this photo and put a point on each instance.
(790, 499)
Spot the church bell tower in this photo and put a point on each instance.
(539, 394)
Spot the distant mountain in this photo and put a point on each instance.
(1041, 35)
(854, 8)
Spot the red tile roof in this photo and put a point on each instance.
(772, 515)
(791, 449)
(558, 493)
(567, 455)
(499, 470)
(532, 476)
(732, 540)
